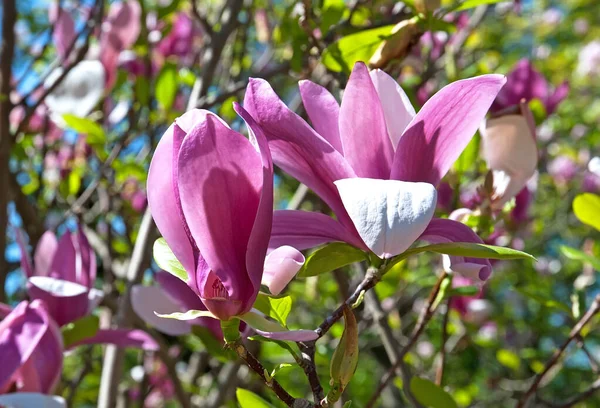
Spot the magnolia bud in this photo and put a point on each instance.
(345, 357)
(404, 35)
(510, 151)
(424, 6)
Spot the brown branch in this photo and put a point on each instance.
(439, 374)
(310, 369)
(256, 366)
(575, 332)
(424, 318)
(9, 18)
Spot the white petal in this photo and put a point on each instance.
(146, 300)
(281, 265)
(58, 287)
(397, 109)
(32, 399)
(389, 215)
(594, 166)
(79, 92)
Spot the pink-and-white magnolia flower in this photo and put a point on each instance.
(31, 350)
(373, 160)
(210, 191)
(62, 275)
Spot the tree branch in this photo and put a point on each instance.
(575, 332)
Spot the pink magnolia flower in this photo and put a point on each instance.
(63, 34)
(62, 275)
(31, 350)
(180, 40)
(525, 82)
(210, 191)
(373, 160)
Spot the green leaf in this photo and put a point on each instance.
(332, 13)
(342, 54)
(467, 249)
(508, 359)
(277, 308)
(189, 315)
(81, 329)
(248, 399)
(430, 395)
(469, 4)
(74, 182)
(577, 255)
(278, 368)
(345, 357)
(142, 90)
(281, 343)
(165, 259)
(256, 321)
(95, 133)
(330, 257)
(587, 207)
(166, 86)
(464, 291)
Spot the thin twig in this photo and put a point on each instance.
(439, 374)
(424, 318)
(310, 369)
(575, 332)
(256, 366)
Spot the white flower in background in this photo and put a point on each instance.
(589, 60)
(79, 92)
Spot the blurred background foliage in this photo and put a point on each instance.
(104, 158)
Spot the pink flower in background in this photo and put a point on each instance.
(180, 40)
(355, 158)
(525, 82)
(210, 191)
(563, 169)
(31, 350)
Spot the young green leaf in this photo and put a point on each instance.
(577, 255)
(277, 308)
(166, 86)
(330, 257)
(469, 4)
(587, 207)
(78, 330)
(342, 54)
(431, 395)
(95, 133)
(248, 399)
(165, 259)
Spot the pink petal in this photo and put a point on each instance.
(85, 258)
(121, 338)
(444, 230)
(44, 253)
(367, 146)
(220, 178)
(557, 97)
(124, 22)
(442, 129)
(186, 299)
(146, 300)
(304, 229)
(296, 147)
(66, 301)
(524, 82)
(20, 333)
(397, 109)
(26, 264)
(261, 231)
(281, 265)
(64, 264)
(64, 31)
(323, 111)
(163, 197)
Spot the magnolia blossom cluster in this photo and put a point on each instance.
(210, 191)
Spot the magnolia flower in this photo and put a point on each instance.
(373, 160)
(563, 169)
(508, 145)
(62, 275)
(180, 40)
(589, 60)
(210, 191)
(31, 350)
(79, 92)
(525, 82)
(63, 33)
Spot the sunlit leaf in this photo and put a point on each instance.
(276, 308)
(469, 4)
(248, 399)
(577, 255)
(587, 207)
(430, 394)
(81, 329)
(93, 131)
(165, 259)
(166, 86)
(330, 257)
(508, 359)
